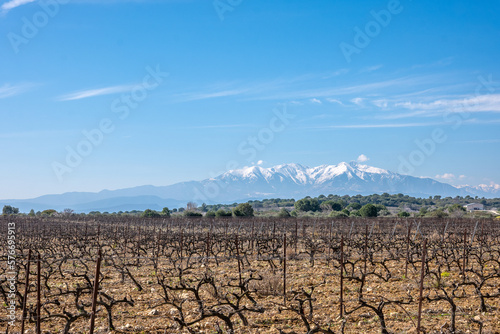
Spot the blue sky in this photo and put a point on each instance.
(169, 91)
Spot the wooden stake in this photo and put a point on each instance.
(95, 292)
(422, 275)
(26, 286)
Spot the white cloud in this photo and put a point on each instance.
(461, 177)
(446, 176)
(363, 158)
(357, 100)
(83, 94)
(260, 162)
(315, 101)
(13, 4)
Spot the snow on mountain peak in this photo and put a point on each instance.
(300, 174)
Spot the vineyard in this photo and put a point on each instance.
(180, 275)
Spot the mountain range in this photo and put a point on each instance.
(256, 182)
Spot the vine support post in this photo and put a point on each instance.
(284, 269)
(465, 254)
(95, 292)
(421, 288)
(341, 276)
(407, 251)
(26, 286)
(296, 235)
(38, 294)
(238, 258)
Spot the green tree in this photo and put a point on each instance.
(210, 214)
(404, 214)
(307, 204)
(354, 206)
(32, 213)
(10, 210)
(243, 210)
(148, 213)
(368, 210)
(165, 212)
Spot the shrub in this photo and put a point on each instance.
(368, 210)
(223, 213)
(48, 212)
(188, 213)
(148, 213)
(338, 214)
(284, 213)
(404, 214)
(210, 214)
(243, 210)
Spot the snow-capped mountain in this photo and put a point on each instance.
(256, 182)
(295, 180)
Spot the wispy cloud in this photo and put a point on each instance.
(334, 101)
(482, 103)
(370, 69)
(378, 126)
(211, 95)
(315, 101)
(83, 94)
(7, 6)
(8, 90)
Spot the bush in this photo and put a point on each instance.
(404, 214)
(223, 213)
(243, 210)
(368, 210)
(148, 213)
(439, 213)
(284, 213)
(210, 214)
(294, 213)
(338, 214)
(48, 212)
(188, 213)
